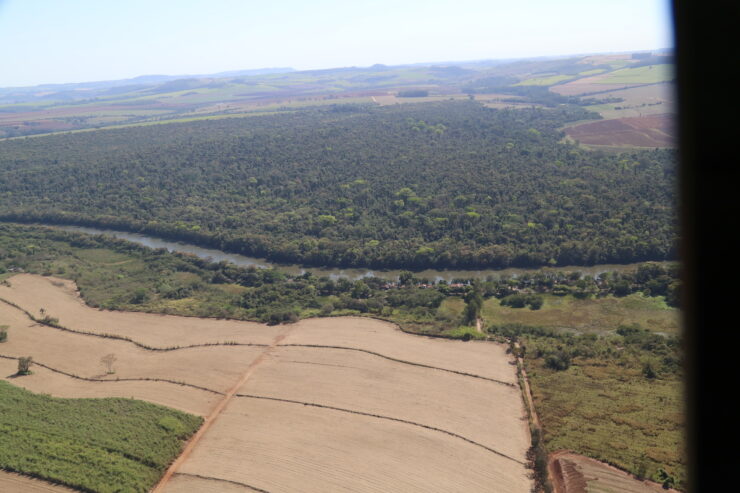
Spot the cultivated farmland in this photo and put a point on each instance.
(646, 131)
(324, 404)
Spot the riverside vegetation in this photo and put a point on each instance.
(609, 389)
(427, 185)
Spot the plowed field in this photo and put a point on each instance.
(15, 483)
(573, 473)
(646, 131)
(336, 404)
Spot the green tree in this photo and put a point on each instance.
(24, 365)
(474, 304)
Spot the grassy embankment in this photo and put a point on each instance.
(97, 445)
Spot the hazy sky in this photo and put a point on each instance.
(49, 41)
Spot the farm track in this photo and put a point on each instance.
(209, 420)
(360, 413)
(104, 380)
(209, 478)
(237, 344)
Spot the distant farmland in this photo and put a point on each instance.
(647, 131)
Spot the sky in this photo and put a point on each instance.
(57, 41)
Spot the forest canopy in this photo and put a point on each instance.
(444, 185)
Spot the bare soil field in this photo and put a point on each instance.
(351, 380)
(333, 404)
(15, 483)
(61, 300)
(45, 381)
(293, 447)
(211, 367)
(573, 473)
(646, 131)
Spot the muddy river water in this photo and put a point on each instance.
(332, 272)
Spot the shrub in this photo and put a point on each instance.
(515, 301)
(559, 361)
(24, 365)
(3, 333)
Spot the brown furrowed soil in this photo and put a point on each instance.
(488, 360)
(293, 447)
(573, 473)
(211, 367)
(60, 299)
(349, 380)
(333, 404)
(646, 131)
(15, 483)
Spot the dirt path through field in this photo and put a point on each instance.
(528, 391)
(216, 412)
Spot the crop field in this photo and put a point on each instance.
(104, 445)
(638, 101)
(324, 404)
(651, 74)
(544, 81)
(647, 131)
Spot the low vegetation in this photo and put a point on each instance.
(615, 396)
(94, 445)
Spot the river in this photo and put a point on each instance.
(332, 272)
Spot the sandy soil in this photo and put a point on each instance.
(369, 384)
(573, 473)
(477, 357)
(212, 367)
(183, 483)
(60, 299)
(288, 447)
(15, 483)
(43, 381)
(382, 410)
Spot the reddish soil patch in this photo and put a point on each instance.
(573, 473)
(645, 131)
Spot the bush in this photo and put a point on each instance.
(559, 361)
(3, 333)
(515, 301)
(24, 365)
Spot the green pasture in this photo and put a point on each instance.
(544, 81)
(650, 74)
(596, 315)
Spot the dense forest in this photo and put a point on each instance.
(443, 185)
